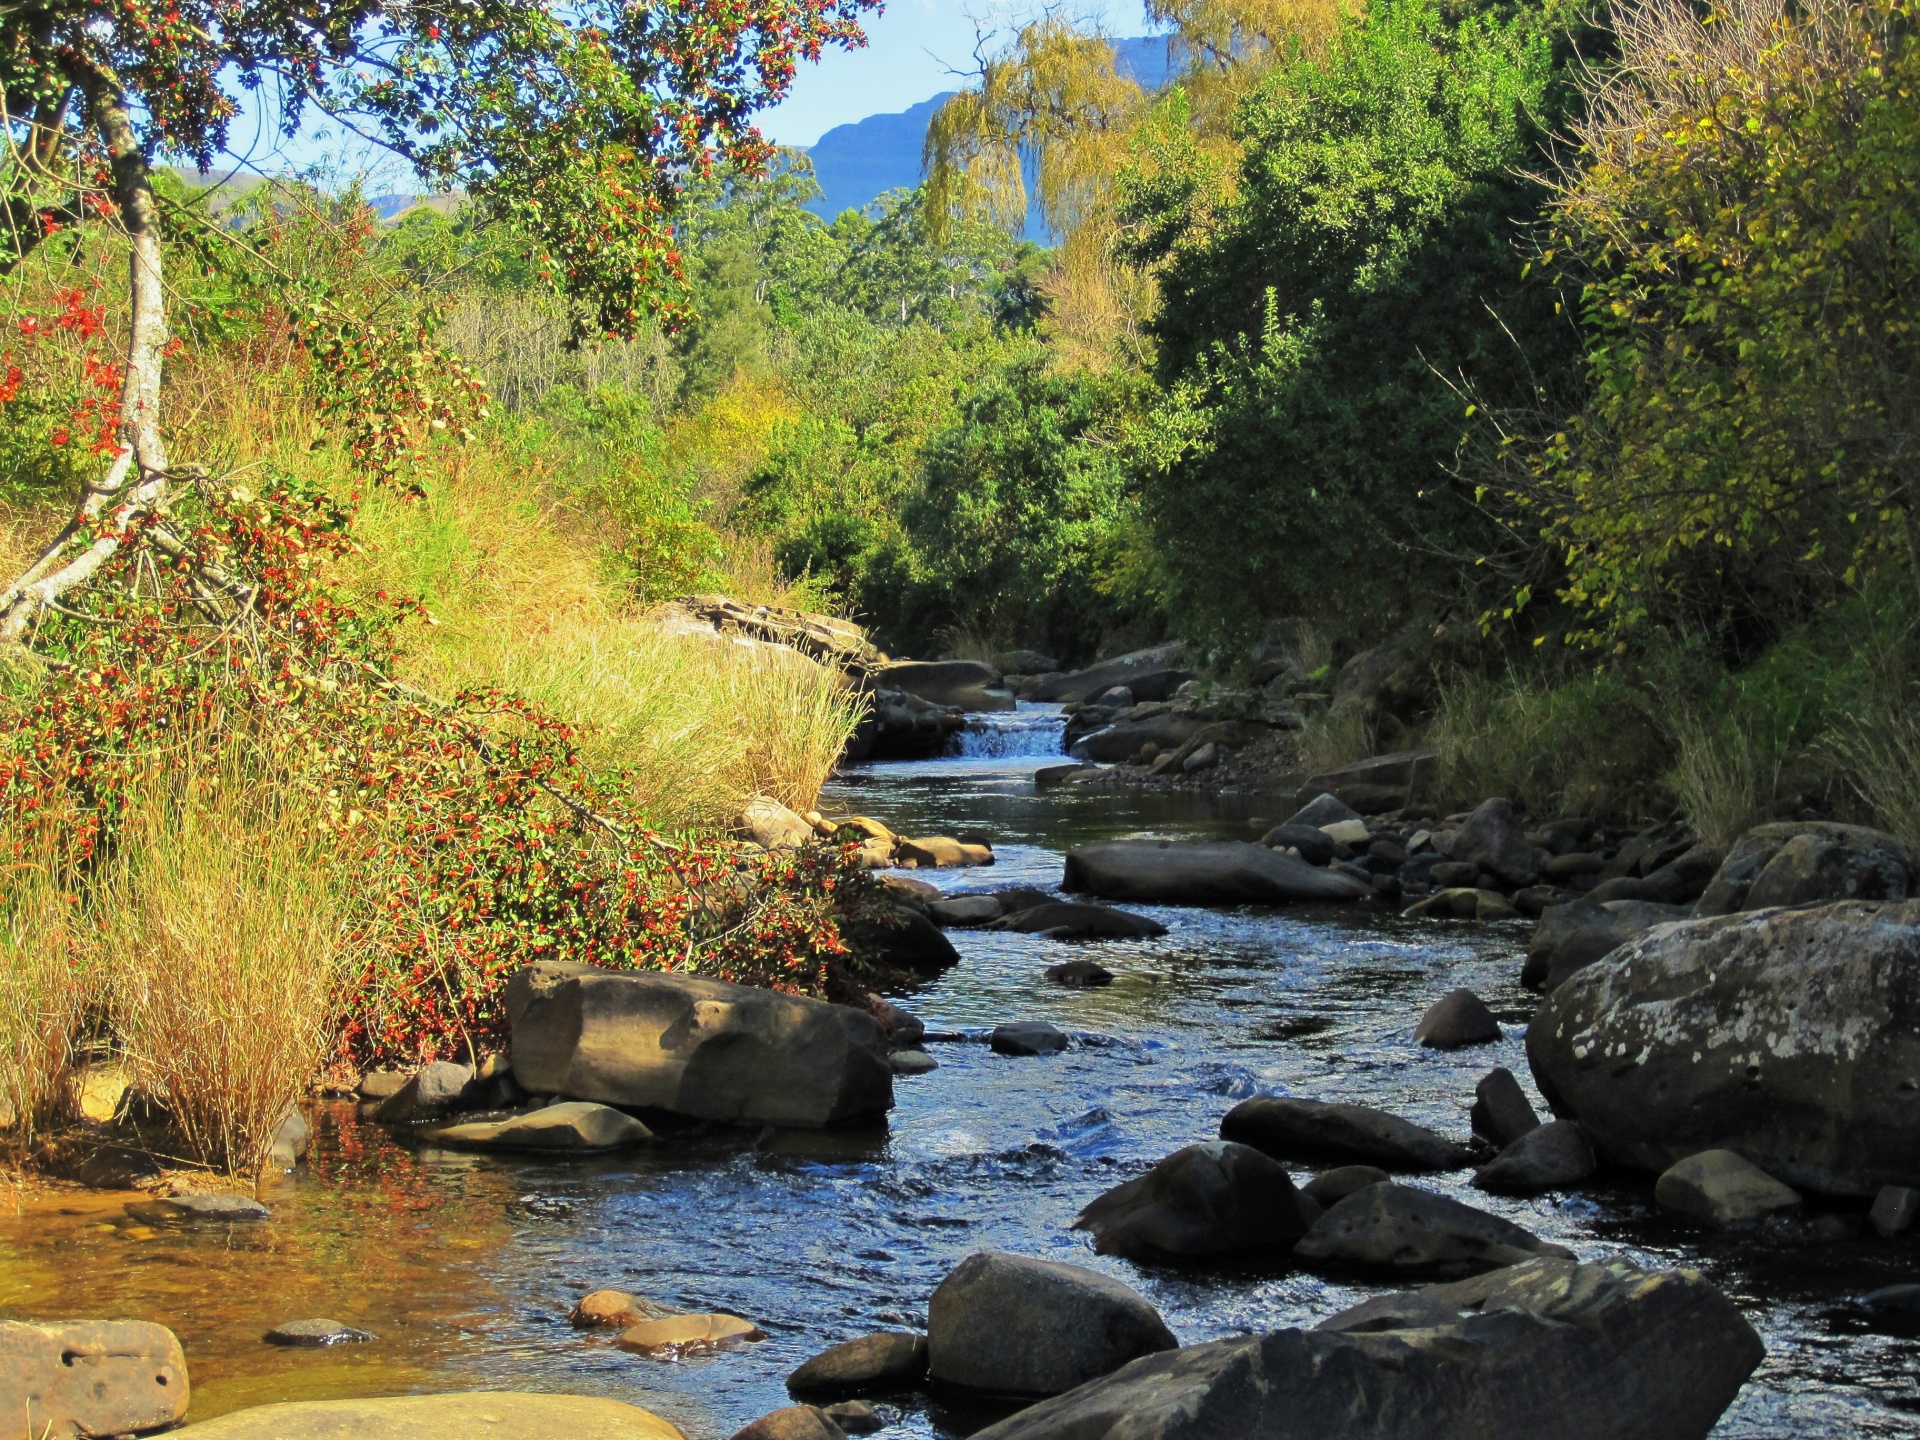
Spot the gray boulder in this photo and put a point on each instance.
(1719, 1187)
(89, 1378)
(1457, 1019)
(792, 1422)
(1008, 1325)
(433, 1091)
(1802, 862)
(576, 1126)
(1226, 872)
(1571, 937)
(1080, 974)
(1121, 741)
(695, 1047)
(1501, 1111)
(1330, 1187)
(1402, 1230)
(496, 1414)
(1791, 1036)
(1323, 809)
(1493, 839)
(1313, 843)
(1288, 1129)
(1150, 674)
(1213, 1199)
(964, 910)
(873, 1364)
(1027, 1037)
(1549, 1157)
(1069, 920)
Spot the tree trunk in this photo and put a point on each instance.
(136, 481)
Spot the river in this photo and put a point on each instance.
(465, 1266)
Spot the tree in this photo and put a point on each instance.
(577, 124)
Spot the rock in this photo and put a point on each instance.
(1682, 879)
(1205, 758)
(1287, 1129)
(494, 1414)
(871, 1365)
(942, 852)
(792, 1422)
(100, 1090)
(1493, 839)
(1553, 1156)
(291, 1139)
(1047, 777)
(1008, 1325)
(772, 826)
(1148, 673)
(1024, 662)
(674, 1335)
(381, 1084)
(1821, 861)
(1549, 1348)
(1572, 865)
(1068, 920)
(1121, 741)
(912, 1062)
(90, 1378)
(1573, 936)
(116, 1167)
(1787, 1035)
(902, 1027)
(913, 894)
(1457, 1019)
(1313, 843)
(1347, 832)
(1119, 697)
(1501, 1111)
(1464, 904)
(1400, 1230)
(1620, 887)
(963, 910)
(961, 683)
(315, 1334)
(856, 1417)
(615, 1309)
(1895, 1209)
(1454, 875)
(1201, 873)
(1027, 1037)
(1388, 780)
(1894, 1300)
(576, 1126)
(1323, 810)
(222, 1209)
(912, 943)
(1213, 1199)
(1720, 1187)
(859, 828)
(1330, 1187)
(433, 1091)
(695, 1047)
(1080, 974)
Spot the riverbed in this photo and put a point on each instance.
(465, 1266)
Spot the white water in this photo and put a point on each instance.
(1031, 729)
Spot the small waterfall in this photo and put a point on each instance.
(1005, 734)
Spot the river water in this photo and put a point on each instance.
(465, 1266)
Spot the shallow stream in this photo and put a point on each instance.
(465, 1266)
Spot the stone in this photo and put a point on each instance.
(1816, 861)
(1721, 1188)
(861, 828)
(1080, 974)
(856, 1417)
(1790, 1036)
(772, 826)
(1572, 865)
(1398, 777)
(964, 910)
(100, 1090)
(1399, 1230)
(1893, 1300)
(381, 1084)
(1895, 1209)
(1121, 741)
(943, 852)
(792, 1422)
(1454, 875)
(872, 1365)
(1553, 1156)
(1048, 777)
(912, 1062)
(1070, 920)
(1024, 662)
(492, 1415)
(695, 1047)
(1016, 898)
(912, 942)
(1548, 1348)
(1119, 697)
(291, 1139)
(1313, 843)
(1227, 872)
(901, 1027)
(1027, 1037)
(315, 1334)
(1682, 879)
(616, 1310)
(1501, 1111)
(1330, 1187)
(911, 893)
(962, 683)
(575, 1126)
(1150, 674)
(1465, 904)
(433, 1090)
(222, 1209)
(1492, 838)
(1287, 1129)
(1457, 1019)
(116, 1167)
(1009, 1325)
(90, 1378)
(1352, 833)
(1217, 1198)
(1205, 758)
(674, 1335)
(1322, 810)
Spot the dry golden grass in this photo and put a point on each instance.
(48, 984)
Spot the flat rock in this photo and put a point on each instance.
(1501, 1111)
(1330, 1187)
(1069, 920)
(1213, 1199)
(1225, 872)
(1008, 1325)
(90, 1377)
(1553, 1156)
(1544, 1349)
(963, 910)
(912, 1062)
(1027, 1037)
(1141, 671)
(1400, 1230)
(792, 1422)
(947, 682)
(315, 1334)
(1456, 1020)
(674, 1335)
(871, 1365)
(943, 852)
(575, 1126)
(1080, 974)
(616, 1310)
(221, 1209)
(1720, 1187)
(1287, 1129)
(494, 1415)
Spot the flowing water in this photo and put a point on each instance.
(465, 1266)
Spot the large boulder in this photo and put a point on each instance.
(1122, 740)
(695, 1047)
(497, 1415)
(1220, 872)
(1719, 1187)
(1800, 862)
(960, 683)
(1493, 839)
(1398, 1230)
(1150, 674)
(1791, 1036)
(908, 940)
(1213, 1199)
(772, 826)
(1398, 777)
(575, 1126)
(1007, 1325)
(434, 1090)
(1545, 1348)
(89, 1378)
(1290, 1129)
(872, 1364)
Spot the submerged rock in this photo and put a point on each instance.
(90, 1377)
(222, 1209)
(1027, 1037)
(1225, 872)
(1080, 974)
(1287, 1129)
(1213, 1199)
(577, 1126)
(315, 1334)
(494, 1414)
(873, 1364)
(615, 1309)
(674, 1335)
(1068, 920)
(1719, 1187)
(1400, 1230)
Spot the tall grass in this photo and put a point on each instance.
(1334, 738)
(49, 982)
(1725, 777)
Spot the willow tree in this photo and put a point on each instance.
(576, 123)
